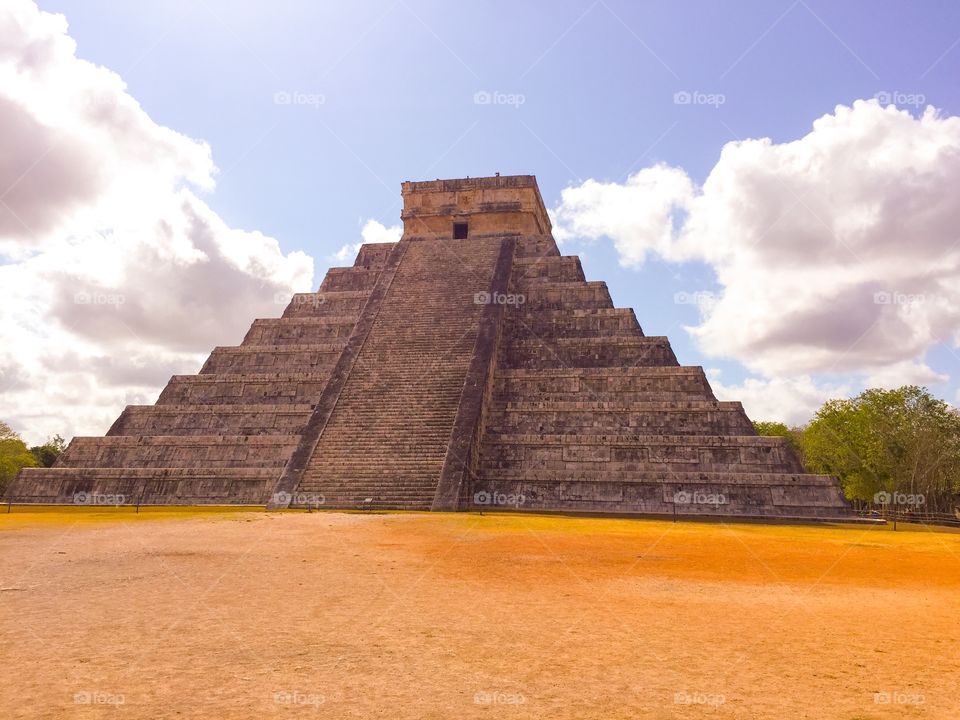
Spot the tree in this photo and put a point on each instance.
(770, 429)
(13, 455)
(901, 442)
(778, 429)
(47, 454)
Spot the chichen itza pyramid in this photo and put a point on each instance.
(468, 366)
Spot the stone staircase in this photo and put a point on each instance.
(385, 443)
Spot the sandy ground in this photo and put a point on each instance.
(323, 615)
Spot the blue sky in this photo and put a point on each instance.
(388, 94)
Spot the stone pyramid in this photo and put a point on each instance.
(468, 366)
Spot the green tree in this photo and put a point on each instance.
(888, 441)
(47, 454)
(778, 429)
(771, 429)
(14, 455)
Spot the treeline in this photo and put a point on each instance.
(898, 449)
(14, 454)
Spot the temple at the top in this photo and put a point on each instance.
(467, 366)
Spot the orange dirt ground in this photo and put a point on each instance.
(218, 614)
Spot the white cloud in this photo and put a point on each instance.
(372, 232)
(907, 372)
(639, 216)
(375, 232)
(838, 252)
(117, 274)
(790, 400)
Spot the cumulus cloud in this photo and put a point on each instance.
(838, 252)
(117, 273)
(791, 400)
(640, 216)
(907, 372)
(372, 232)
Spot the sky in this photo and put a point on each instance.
(773, 185)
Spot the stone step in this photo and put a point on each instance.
(382, 484)
(574, 453)
(196, 451)
(632, 440)
(299, 331)
(579, 352)
(708, 417)
(372, 484)
(429, 432)
(663, 493)
(421, 408)
(349, 278)
(100, 487)
(326, 304)
(684, 493)
(600, 383)
(551, 268)
(390, 504)
(534, 246)
(615, 406)
(211, 420)
(565, 296)
(680, 478)
(244, 389)
(272, 358)
(357, 468)
(591, 323)
(373, 255)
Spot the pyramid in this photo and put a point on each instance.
(468, 366)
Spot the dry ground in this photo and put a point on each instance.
(249, 615)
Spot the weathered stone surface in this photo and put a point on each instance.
(300, 331)
(447, 372)
(286, 419)
(388, 436)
